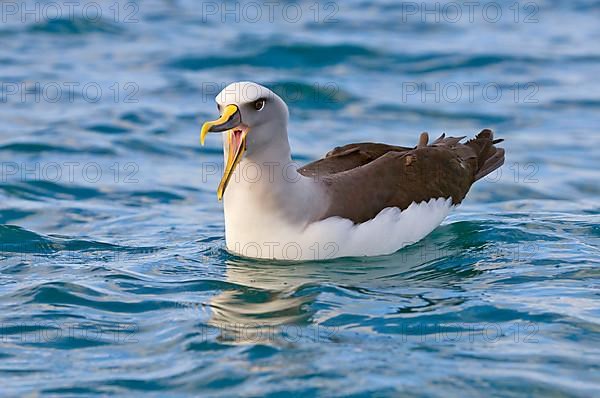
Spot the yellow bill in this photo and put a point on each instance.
(235, 141)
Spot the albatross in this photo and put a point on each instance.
(361, 199)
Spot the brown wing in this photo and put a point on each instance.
(348, 157)
(363, 179)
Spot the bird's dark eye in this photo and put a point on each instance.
(259, 104)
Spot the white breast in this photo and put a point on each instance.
(252, 232)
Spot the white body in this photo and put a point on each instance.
(268, 222)
(273, 212)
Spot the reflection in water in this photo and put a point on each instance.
(269, 296)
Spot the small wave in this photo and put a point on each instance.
(430, 113)
(79, 295)
(312, 96)
(450, 62)
(576, 103)
(12, 214)
(75, 26)
(146, 146)
(40, 190)
(143, 198)
(30, 147)
(16, 239)
(108, 129)
(279, 56)
(20, 240)
(141, 117)
(586, 186)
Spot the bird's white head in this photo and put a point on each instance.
(254, 122)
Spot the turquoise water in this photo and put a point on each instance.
(113, 273)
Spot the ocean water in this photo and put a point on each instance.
(113, 274)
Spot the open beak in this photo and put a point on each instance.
(235, 141)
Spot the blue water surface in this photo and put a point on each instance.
(113, 274)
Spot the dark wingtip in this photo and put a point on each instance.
(439, 139)
(487, 133)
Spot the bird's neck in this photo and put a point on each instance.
(266, 185)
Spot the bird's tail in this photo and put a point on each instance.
(489, 158)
